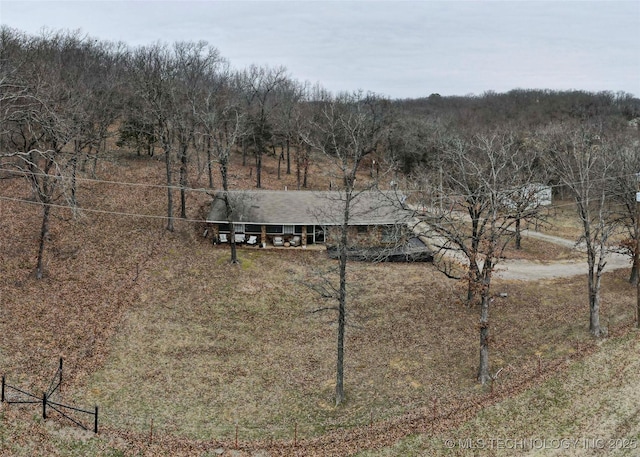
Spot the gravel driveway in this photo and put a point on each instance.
(532, 271)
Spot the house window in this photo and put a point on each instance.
(238, 228)
(362, 229)
(389, 234)
(287, 229)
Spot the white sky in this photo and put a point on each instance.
(395, 48)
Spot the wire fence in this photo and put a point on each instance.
(11, 394)
(431, 414)
(428, 415)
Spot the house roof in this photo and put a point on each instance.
(309, 208)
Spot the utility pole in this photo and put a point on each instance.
(636, 260)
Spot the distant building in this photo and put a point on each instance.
(528, 196)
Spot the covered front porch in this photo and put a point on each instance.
(278, 235)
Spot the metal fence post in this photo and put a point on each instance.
(44, 405)
(3, 389)
(95, 423)
(60, 386)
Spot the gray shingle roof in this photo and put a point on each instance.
(308, 208)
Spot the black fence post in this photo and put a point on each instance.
(60, 373)
(95, 422)
(3, 389)
(44, 405)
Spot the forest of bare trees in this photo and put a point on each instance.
(65, 96)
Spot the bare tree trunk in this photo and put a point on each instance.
(280, 158)
(183, 181)
(44, 233)
(232, 242)
(298, 180)
(224, 172)
(594, 305)
(470, 282)
(305, 165)
(474, 271)
(259, 170)
(74, 173)
(634, 277)
(306, 173)
(288, 157)
(483, 369)
(473, 277)
(94, 165)
(167, 161)
(209, 162)
(340, 397)
(244, 152)
(198, 150)
(518, 235)
(83, 167)
(594, 316)
(232, 228)
(45, 192)
(635, 271)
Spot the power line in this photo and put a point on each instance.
(99, 211)
(104, 181)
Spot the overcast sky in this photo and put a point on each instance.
(396, 48)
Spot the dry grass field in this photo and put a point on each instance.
(560, 219)
(185, 353)
(590, 408)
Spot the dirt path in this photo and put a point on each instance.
(532, 271)
(525, 270)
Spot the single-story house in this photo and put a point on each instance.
(300, 218)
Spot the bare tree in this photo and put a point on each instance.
(527, 199)
(227, 132)
(219, 116)
(286, 119)
(584, 158)
(38, 109)
(196, 65)
(346, 129)
(154, 70)
(470, 217)
(260, 85)
(627, 164)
